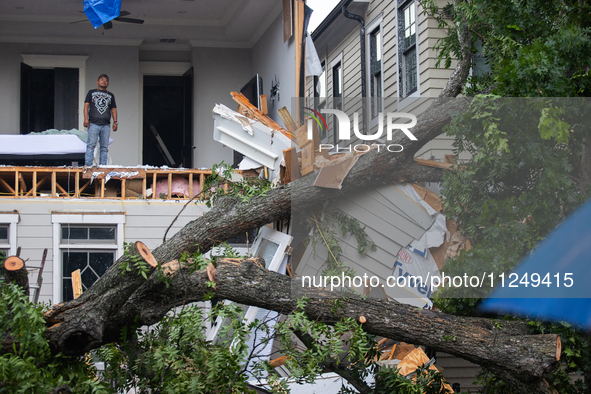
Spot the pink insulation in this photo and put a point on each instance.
(180, 187)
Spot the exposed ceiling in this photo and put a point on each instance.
(168, 24)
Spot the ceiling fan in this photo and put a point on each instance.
(120, 18)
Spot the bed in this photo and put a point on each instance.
(44, 149)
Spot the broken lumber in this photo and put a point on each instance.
(257, 114)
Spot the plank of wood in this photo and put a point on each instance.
(76, 283)
(23, 185)
(7, 186)
(292, 168)
(287, 20)
(430, 198)
(287, 119)
(307, 159)
(263, 101)
(258, 115)
(433, 163)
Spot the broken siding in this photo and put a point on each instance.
(391, 220)
(144, 221)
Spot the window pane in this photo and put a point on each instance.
(102, 233)
(267, 251)
(410, 60)
(101, 261)
(73, 261)
(88, 278)
(4, 233)
(69, 232)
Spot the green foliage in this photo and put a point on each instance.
(426, 381)
(221, 177)
(325, 233)
(31, 368)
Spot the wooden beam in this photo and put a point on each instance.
(263, 101)
(154, 180)
(7, 186)
(76, 283)
(23, 184)
(287, 19)
(76, 184)
(62, 190)
(34, 189)
(287, 119)
(123, 189)
(190, 185)
(433, 163)
(169, 196)
(258, 115)
(53, 183)
(292, 167)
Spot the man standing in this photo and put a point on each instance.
(98, 108)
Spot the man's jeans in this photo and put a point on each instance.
(96, 132)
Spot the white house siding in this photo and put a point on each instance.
(144, 221)
(431, 78)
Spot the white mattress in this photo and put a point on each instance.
(58, 144)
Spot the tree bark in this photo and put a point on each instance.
(82, 324)
(523, 359)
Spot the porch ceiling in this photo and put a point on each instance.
(198, 23)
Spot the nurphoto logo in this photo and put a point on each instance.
(344, 130)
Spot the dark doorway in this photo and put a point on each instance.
(167, 133)
(49, 99)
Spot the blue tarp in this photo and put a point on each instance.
(100, 12)
(562, 262)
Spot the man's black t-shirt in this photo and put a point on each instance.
(101, 102)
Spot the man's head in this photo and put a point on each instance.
(103, 81)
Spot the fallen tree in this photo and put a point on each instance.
(123, 297)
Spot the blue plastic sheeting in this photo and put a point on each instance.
(100, 12)
(562, 262)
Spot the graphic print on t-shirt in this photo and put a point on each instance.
(102, 101)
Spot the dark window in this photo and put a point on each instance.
(407, 40)
(3, 233)
(375, 70)
(88, 234)
(337, 94)
(92, 265)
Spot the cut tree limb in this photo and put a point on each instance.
(87, 319)
(16, 272)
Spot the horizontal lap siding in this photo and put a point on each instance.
(144, 221)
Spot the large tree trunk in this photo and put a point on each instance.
(523, 359)
(83, 324)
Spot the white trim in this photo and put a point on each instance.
(12, 219)
(59, 218)
(405, 101)
(282, 241)
(377, 23)
(53, 61)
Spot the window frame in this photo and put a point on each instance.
(82, 219)
(404, 51)
(337, 101)
(11, 219)
(372, 27)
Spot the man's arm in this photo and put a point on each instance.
(114, 114)
(86, 109)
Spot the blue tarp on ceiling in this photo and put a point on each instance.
(100, 12)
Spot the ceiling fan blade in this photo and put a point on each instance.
(124, 13)
(84, 20)
(130, 20)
